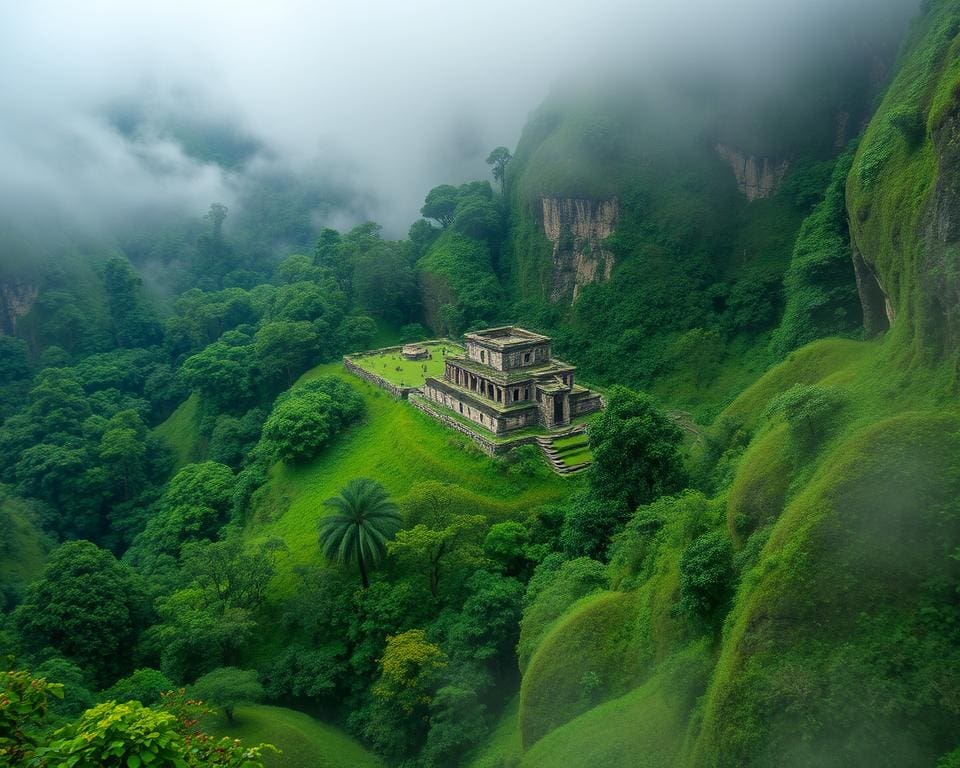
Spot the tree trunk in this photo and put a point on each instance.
(229, 713)
(364, 581)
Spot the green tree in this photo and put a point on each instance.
(143, 685)
(476, 217)
(409, 674)
(636, 451)
(133, 323)
(810, 411)
(307, 417)
(444, 534)
(360, 522)
(498, 160)
(122, 451)
(232, 575)
(222, 372)
(706, 574)
(77, 695)
(228, 687)
(384, 284)
(589, 524)
(285, 347)
(440, 204)
(87, 606)
(196, 634)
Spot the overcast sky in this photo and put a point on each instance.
(390, 97)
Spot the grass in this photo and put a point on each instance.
(398, 446)
(591, 638)
(303, 741)
(179, 432)
(502, 747)
(23, 546)
(577, 457)
(396, 369)
(642, 729)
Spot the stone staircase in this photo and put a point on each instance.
(555, 454)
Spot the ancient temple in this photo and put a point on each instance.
(508, 380)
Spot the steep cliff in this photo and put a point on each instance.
(16, 300)
(904, 196)
(757, 178)
(577, 229)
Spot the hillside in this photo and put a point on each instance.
(402, 446)
(757, 262)
(842, 516)
(303, 741)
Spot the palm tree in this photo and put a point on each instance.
(361, 521)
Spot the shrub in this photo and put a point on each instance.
(706, 575)
(307, 417)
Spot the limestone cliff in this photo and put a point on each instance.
(16, 299)
(757, 178)
(577, 229)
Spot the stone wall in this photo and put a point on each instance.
(488, 446)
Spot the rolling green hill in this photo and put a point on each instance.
(399, 446)
(303, 741)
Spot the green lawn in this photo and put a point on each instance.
(409, 373)
(574, 458)
(303, 741)
(398, 446)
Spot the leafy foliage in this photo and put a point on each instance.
(636, 451)
(706, 575)
(361, 521)
(228, 687)
(87, 606)
(306, 418)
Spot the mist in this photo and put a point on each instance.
(385, 100)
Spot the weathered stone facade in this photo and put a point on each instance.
(509, 381)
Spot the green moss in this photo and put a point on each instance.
(458, 284)
(895, 170)
(592, 638)
(305, 742)
(851, 563)
(759, 490)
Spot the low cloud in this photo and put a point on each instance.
(386, 99)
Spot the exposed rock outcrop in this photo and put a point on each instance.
(878, 314)
(940, 242)
(577, 229)
(16, 299)
(757, 178)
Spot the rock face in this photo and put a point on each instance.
(16, 299)
(940, 242)
(757, 178)
(878, 314)
(577, 229)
